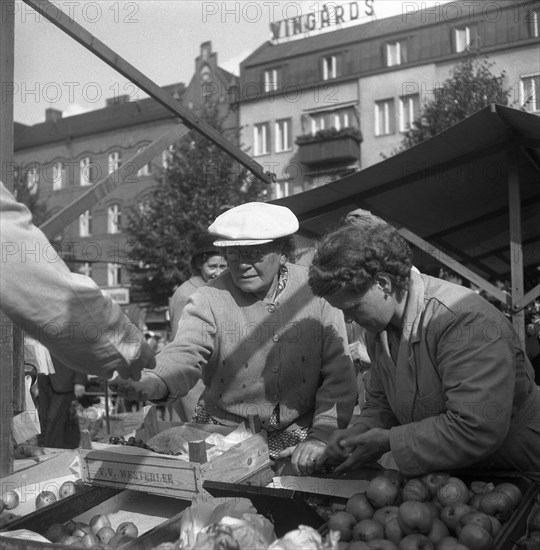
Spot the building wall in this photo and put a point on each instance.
(292, 176)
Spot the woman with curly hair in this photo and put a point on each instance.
(451, 385)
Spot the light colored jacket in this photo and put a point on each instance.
(66, 312)
(252, 355)
(457, 389)
(178, 300)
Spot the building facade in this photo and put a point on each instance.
(63, 157)
(316, 103)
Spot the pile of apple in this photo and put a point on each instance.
(97, 534)
(9, 500)
(437, 511)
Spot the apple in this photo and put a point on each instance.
(415, 517)
(359, 506)
(129, 529)
(342, 522)
(381, 544)
(481, 487)
(382, 491)
(105, 534)
(358, 545)
(89, 540)
(435, 510)
(475, 537)
(119, 540)
(386, 513)
(55, 532)
(476, 518)
(513, 491)
(450, 543)
(415, 489)
(438, 531)
(44, 499)
(395, 476)
(434, 481)
(496, 525)
(496, 504)
(67, 489)
(368, 529)
(454, 491)
(98, 522)
(474, 501)
(10, 500)
(392, 530)
(450, 514)
(70, 526)
(415, 541)
(70, 540)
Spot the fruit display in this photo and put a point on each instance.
(97, 534)
(438, 511)
(132, 442)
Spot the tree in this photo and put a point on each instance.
(471, 87)
(200, 182)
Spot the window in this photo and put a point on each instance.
(84, 171)
(32, 180)
(271, 80)
(534, 29)
(409, 111)
(530, 92)
(384, 117)
(85, 224)
(341, 120)
(396, 53)
(329, 67)
(114, 274)
(261, 138)
(462, 39)
(317, 123)
(57, 176)
(114, 161)
(146, 170)
(283, 135)
(114, 219)
(86, 269)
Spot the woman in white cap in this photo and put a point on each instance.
(261, 342)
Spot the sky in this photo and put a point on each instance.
(161, 38)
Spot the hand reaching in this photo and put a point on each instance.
(146, 360)
(149, 388)
(306, 457)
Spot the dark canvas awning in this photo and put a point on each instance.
(472, 192)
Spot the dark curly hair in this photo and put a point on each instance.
(354, 256)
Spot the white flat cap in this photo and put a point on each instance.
(253, 223)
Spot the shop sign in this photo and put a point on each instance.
(119, 295)
(325, 17)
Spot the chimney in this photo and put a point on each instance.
(117, 99)
(52, 115)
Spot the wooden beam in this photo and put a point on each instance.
(8, 364)
(534, 293)
(516, 246)
(85, 201)
(453, 265)
(60, 19)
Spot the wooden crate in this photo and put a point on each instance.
(124, 467)
(158, 518)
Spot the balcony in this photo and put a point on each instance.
(330, 147)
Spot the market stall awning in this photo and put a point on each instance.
(471, 192)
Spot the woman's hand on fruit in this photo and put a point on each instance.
(149, 388)
(363, 448)
(306, 457)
